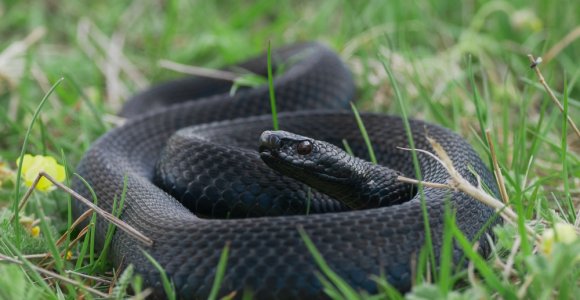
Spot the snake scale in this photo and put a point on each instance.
(221, 164)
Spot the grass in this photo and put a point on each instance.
(463, 65)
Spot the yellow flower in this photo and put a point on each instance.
(68, 255)
(562, 233)
(32, 165)
(30, 224)
(35, 231)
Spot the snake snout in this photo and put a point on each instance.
(269, 141)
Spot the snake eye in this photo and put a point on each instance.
(304, 147)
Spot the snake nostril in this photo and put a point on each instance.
(269, 140)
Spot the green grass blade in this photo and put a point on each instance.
(341, 285)
(117, 209)
(271, 89)
(479, 109)
(168, 286)
(220, 272)
(386, 289)
(32, 273)
(91, 233)
(21, 156)
(417, 169)
(564, 155)
(119, 291)
(364, 133)
(92, 109)
(347, 147)
(48, 237)
(446, 251)
(481, 264)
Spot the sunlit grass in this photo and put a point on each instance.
(461, 65)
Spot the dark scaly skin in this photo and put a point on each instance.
(267, 255)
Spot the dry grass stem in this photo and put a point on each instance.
(27, 196)
(114, 120)
(116, 276)
(471, 269)
(143, 295)
(563, 43)
(497, 170)
(81, 234)
(465, 186)
(104, 43)
(12, 68)
(108, 55)
(551, 94)
(457, 182)
(85, 276)
(44, 83)
(511, 258)
(523, 290)
(471, 274)
(80, 219)
(33, 256)
(108, 216)
(424, 183)
(198, 71)
(53, 275)
(413, 263)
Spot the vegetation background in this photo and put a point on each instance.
(461, 64)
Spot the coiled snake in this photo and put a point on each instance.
(214, 167)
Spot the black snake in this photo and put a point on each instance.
(215, 168)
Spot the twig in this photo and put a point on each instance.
(109, 217)
(457, 182)
(79, 220)
(424, 183)
(551, 94)
(465, 186)
(54, 275)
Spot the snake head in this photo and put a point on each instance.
(330, 170)
(304, 158)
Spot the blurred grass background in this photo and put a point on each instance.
(107, 50)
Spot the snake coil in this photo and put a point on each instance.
(267, 255)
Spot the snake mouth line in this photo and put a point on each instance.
(271, 158)
(265, 152)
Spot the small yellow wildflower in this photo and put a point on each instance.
(32, 165)
(68, 255)
(31, 225)
(35, 231)
(562, 232)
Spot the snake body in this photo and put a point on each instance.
(267, 255)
